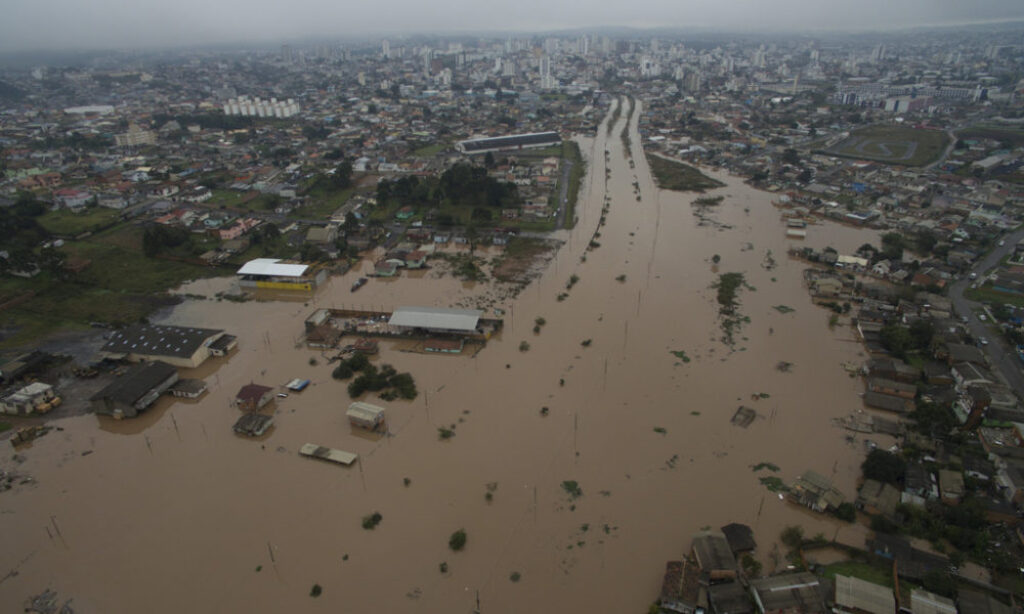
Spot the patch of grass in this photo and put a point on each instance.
(681, 355)
(858, 569)
(673, 175)
(63, 222)
(783, 309)
(5, 426)
(445, 433)
(515, 576)
(768, 466)
(524, 346)
(316, 591)
(988, 294)
(586, 342)
(660, 430)
(429, 151)
(371, 521)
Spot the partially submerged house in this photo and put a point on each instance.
(365, 416)
(252, 397)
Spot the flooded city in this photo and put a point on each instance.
(579, 458)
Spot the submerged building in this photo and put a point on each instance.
(274, 274)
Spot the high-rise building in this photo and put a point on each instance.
(287, 54)
(385, 49)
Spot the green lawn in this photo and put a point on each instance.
(322, 203)
(858, 569)
(429, 151)
(119, 286)
(66, 223)
(892, 144)
(672, 175)
(229, 198)
(994, 131)
(988, 294)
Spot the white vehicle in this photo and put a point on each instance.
(982, 317)
(973, 276)
(1002, 243)
(982, 340)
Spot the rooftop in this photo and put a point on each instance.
(436, 317)
(272, 267)
(152, 340)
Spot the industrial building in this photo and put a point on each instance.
(181, 346)
(514, 141)
(134, 391)
(274, 274)
(435, 320)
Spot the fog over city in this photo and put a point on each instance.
(64, 24)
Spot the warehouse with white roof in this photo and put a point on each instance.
(435, 319)
(275, 274)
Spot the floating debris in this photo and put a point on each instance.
(744, 416)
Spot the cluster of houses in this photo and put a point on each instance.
(715, 577)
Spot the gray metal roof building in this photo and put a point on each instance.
(135, 390)
(436, 319)
(515, 141)
(182, 346)
(793, 592)
(857, 594)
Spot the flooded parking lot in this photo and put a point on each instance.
(173, 512)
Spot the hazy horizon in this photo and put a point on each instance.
(30, 25)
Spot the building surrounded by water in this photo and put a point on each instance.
(275, 274)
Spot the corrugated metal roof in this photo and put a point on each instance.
(273, 267)
(864, 595)
(364, 411)
(923, 602)
(436, 317)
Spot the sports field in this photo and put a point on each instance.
(892, 145)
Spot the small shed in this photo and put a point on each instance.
(740, 538)
(365, 416)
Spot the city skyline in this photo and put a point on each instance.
(65, 24)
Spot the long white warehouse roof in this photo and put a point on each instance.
(273, 267)
(436, 317)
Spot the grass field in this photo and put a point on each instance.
(672, 175)
(119, 286)
(66, 223)
(429, 151)
(988, 294)
(858, 569)
(889, 144)
(1014, 136)
(322, 203)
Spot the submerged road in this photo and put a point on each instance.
(1000, 353)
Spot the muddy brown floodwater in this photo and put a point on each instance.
(172, 512)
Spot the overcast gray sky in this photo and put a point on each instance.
(62, 24)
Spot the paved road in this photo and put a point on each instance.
(1000, 354)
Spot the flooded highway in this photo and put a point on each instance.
(172, 512)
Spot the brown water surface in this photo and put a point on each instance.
(172, 512)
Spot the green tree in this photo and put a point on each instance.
(897, 339)
(884, 467)
(342, 177)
